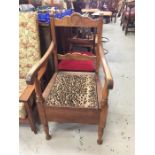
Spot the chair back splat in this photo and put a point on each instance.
(76, 20)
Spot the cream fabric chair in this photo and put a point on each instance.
(29, 54)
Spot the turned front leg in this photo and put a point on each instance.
(102, 122)
(41, 110)
(103, 113)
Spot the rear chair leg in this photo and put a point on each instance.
(126, 28)
(115, 18)
(30, 117)
(100, 134)
(32, 125)
(46, 129)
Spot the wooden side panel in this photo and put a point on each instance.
(72, 115)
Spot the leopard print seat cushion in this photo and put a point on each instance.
(73, 89)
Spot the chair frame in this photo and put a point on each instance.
(126, 20)
(25, 97)
(70, 114)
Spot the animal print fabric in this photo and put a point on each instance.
(74, 89)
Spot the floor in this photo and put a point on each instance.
(118, 138)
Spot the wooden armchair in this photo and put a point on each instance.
(76, 97)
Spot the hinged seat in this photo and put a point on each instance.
(73, 89)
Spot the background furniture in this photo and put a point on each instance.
(110, 5)
(79, 5)
(72, 96)
(23, 1)
(128, 16)
(35, 2)
(29, 54)
(82, 37)
(93, 4)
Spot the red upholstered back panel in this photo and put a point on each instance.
(77, 65)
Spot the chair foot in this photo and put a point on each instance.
(126, 31)
(35, 131)
(100, 134)
(33, 128)
(48, 137)
(99, 141)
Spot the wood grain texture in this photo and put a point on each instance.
(70, 115)
(81, 41)
(41, 108)
(55, 43)
(106, 69)
(76, 56)
(76, 20)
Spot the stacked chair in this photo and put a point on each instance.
(128, 16)
(73, 96)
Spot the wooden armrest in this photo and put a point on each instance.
(30, 78)
(26, 94)
(106, 69)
